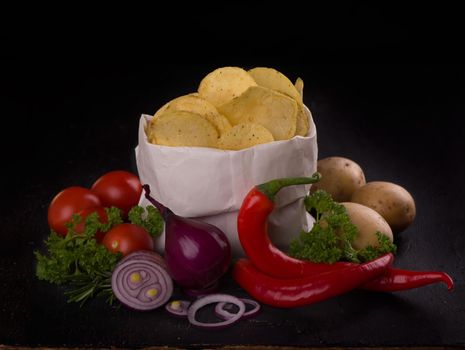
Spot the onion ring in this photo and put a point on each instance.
(141, 283)
(178, 307)
(215, 298)
(221, 312)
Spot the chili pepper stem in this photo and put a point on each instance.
(271, 188)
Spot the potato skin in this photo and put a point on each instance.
(368, 222)
(340, 177)
(393, 202)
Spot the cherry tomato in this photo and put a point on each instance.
(127, 238)
(119, 189)
(103, 218)
(68, 202)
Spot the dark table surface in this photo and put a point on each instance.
(70, 123)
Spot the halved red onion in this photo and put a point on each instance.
(215, 298)
(222, 312)
(149, 254)
(178, 307)
(141, 283)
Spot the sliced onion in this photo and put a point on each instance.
(141, 283)
(149, 254)
(215, 298)
(221, 312)
(178, 307)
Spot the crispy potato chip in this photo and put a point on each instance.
(163, 108)
(223, 84)
(244, 136)
(302, 124)
(180, 128)
(260, 105)
(272, 79)
(196, 104)
(299, 85)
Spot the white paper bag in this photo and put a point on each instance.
(210, 184)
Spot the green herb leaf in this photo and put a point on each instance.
(330, 239)
(384, 246)
(148, 218)
(78, 260)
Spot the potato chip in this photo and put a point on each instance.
(302, 124)
(163, 108)
(272, 79)
(196, 104)
(260, 105)
(223, 84)
(299, 85)
(244, 136)
(180, 128)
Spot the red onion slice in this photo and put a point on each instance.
(141, 283)
(178, 307)
(221, 311)
(215, 298)
(145, 254)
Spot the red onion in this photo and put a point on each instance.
(215, 298)
(178, 307)
(145, 254)
(220, 309)
(141, 283)
(197, 254)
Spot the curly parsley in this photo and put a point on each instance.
(78, 261)
(149, 218)
(332, 234)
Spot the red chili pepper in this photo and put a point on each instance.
(395, 280)
(252, 227)
(287, 293)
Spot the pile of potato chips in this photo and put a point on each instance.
(232, 110)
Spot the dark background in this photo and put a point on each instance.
(71, 102)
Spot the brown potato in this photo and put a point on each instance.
(391, 201)
(340, 177)
(368, 222)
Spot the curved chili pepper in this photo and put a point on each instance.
(252, 227)
(395, 280)
(287, 293)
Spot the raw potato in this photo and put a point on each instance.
(180, 128)
(340, 177)
(244, 136)
(391, 201)
(272, 79)
(260, 105)
(196, 104)
(223, 84)
(368, 222)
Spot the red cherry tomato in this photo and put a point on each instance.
(119, 189)
(68, 202)
(103, 218)
(127, 238)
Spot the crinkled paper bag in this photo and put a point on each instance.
(210, 184)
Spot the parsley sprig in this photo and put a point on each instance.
(332, 234)
(84, 265)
